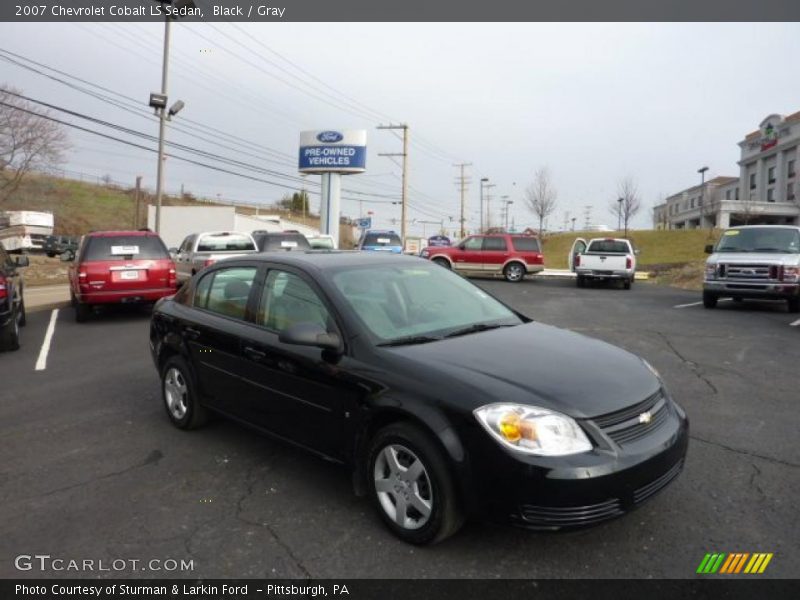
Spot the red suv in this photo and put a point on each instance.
(508, 254)
(113, 267)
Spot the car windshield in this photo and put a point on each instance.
(381, 239)
(225, 242)
(775, 240)
(126, 247)
(608, 247)
(418, 302)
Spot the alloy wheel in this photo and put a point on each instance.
(403, 486)
(175, 393)
(514, 272)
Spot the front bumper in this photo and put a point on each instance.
(124, 296)
(751, 289)
(551, 493)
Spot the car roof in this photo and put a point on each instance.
(324, 259)
(765, 227)
(136, 233)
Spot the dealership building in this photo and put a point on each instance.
(767, 190)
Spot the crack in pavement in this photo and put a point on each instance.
(151, 459)
(756, 473)
(693, 367)
(771, 459)
(239, 517)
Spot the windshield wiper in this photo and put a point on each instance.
(476, 328)
(411, 339)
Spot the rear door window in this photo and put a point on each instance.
(494, 243)
(226, 291)
(124, 247)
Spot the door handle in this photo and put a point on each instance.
(254, 354)
(192, 333)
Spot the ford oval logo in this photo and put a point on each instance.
(330, 137)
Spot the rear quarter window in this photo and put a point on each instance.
(525, 244)
(124, 248)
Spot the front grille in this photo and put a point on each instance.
(630, 424)
(739, 271)
(569, 516)
(644, 492)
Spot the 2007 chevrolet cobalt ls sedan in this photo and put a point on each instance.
(444, 402)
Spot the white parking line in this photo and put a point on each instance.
(41, 362)
(795, 324)
(698, 303)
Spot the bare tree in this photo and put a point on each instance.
(748, 207)
(28, 141)
(709, 201)
(540, 196)
(628, 203)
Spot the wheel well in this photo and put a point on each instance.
(166, 353)
(441, 257)
(514, 261)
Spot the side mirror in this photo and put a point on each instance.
(637, 252)
(173, 250)
(21, 261)
(310, 334)
(710, 249)
(67, 256)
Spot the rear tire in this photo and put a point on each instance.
(793, 304)
(627, 284)
(179, 393)
(9, 337)
(23, 318)
(394, 452)
(710, 300)
(580, 281)
(514, 272)
(442, 262)
(82, 311)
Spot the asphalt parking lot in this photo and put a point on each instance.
(94, 470)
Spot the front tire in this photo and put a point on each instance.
(23, 318)
(514, 272)
(710, 300)
(179, 393)
(442, 262)
(412, 485)
(793, 304)
(82, 311)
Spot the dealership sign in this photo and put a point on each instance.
(333, 151)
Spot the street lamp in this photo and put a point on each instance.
(508, 206)
(159, 102)
(483, 180)
(619, 213)
(702, 171)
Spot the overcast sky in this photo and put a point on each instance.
(592, 102)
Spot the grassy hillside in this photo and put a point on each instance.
(658, 249)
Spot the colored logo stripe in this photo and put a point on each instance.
(734, 563)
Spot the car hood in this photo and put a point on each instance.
(774, 258)
(537, 364)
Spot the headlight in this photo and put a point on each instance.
(652, 369)
(791, 274)
(533, 430)
(711, 271)
(425, 253)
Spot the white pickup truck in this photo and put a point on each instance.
(604, 259)
(200, 250)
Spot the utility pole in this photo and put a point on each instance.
(483, 181)
(404, 154)
(462, 184)
(138, 193)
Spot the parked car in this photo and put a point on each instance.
(55, 245)
(12, 301)
(603, 259)
(511, 255)
(444, 402)
(200, 250)
(322, 242)
(280, 241)
(379, 240)
(755, 261)
(113, 267)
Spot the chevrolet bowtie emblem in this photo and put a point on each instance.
(645, 418)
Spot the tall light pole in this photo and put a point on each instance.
(702, 171)
(619, 213)
(508, 206)
(483, 181)
(159, 103)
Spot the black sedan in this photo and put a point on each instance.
(444, 402)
